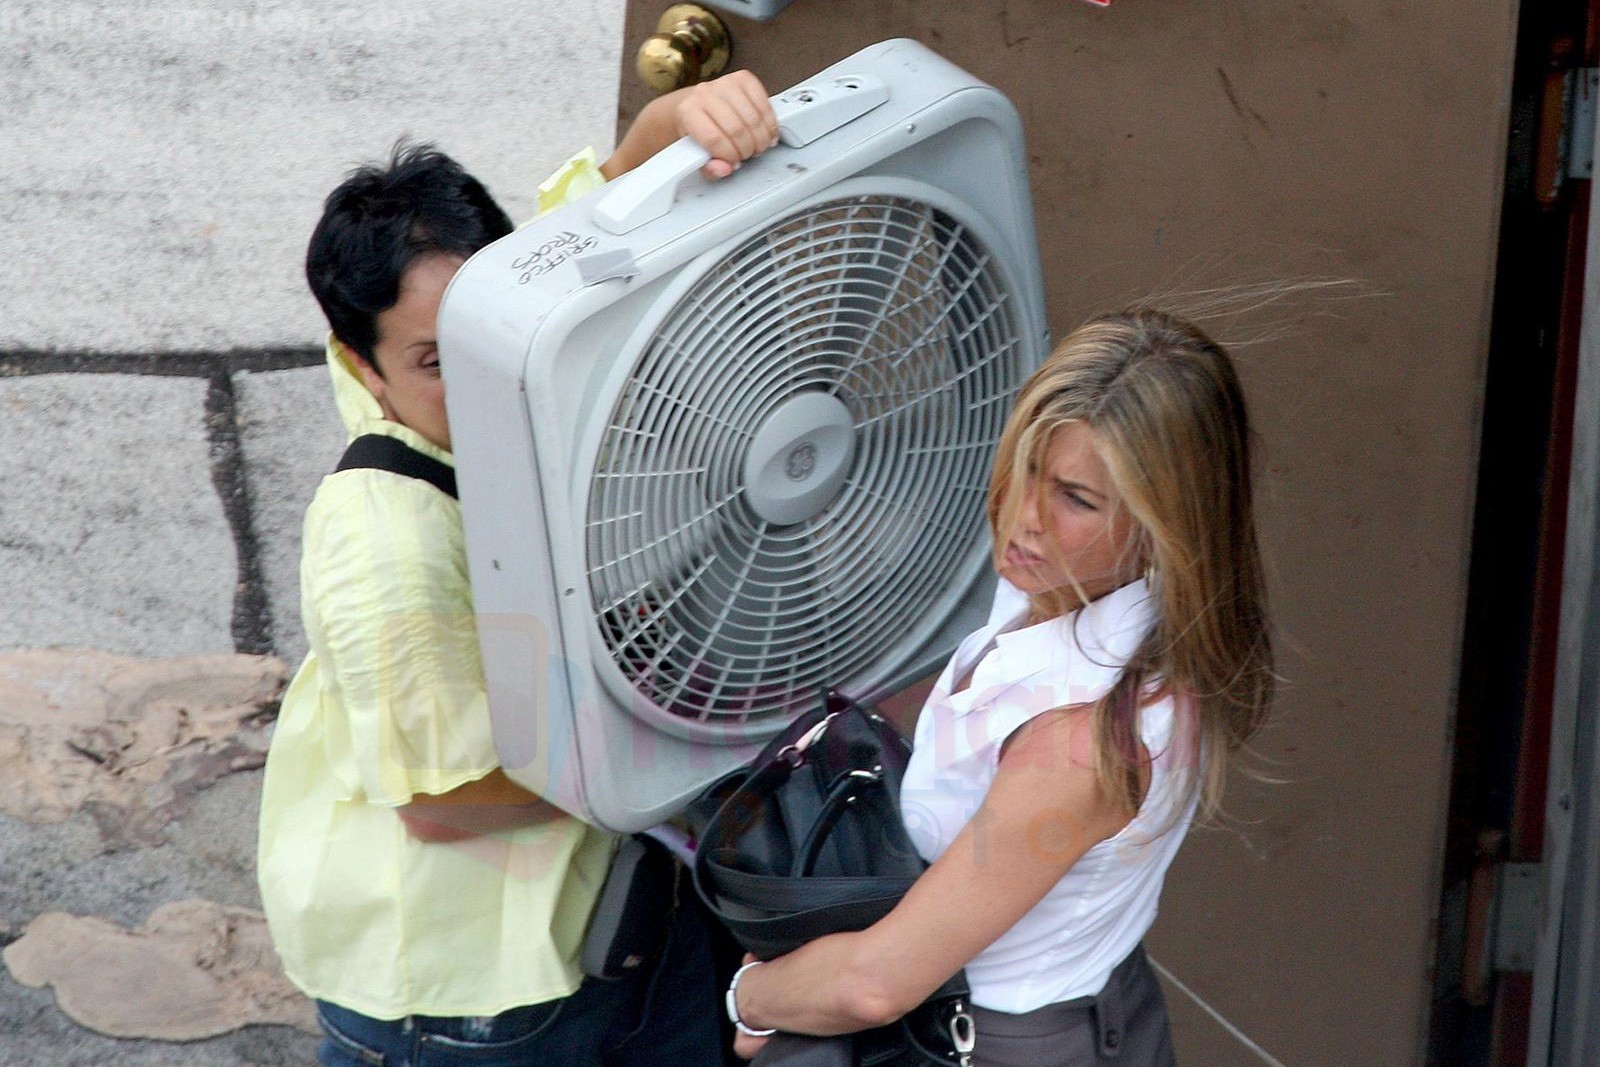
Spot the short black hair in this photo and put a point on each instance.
(381, 219)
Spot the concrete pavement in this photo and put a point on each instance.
(163, 413)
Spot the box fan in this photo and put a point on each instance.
(720, 444)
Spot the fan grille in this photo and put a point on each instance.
(724, 622)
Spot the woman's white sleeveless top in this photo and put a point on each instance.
(1067, 945)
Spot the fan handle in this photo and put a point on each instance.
(804, 114)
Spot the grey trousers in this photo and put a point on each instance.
(1125, 1025)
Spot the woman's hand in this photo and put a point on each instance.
(730, 117)
(745, 1046)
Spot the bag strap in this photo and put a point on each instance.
(376, 451)
(841, 794)
(940, 1029)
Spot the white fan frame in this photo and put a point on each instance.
(525, 330)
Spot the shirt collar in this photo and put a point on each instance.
(1082, 652)
(359, 409)
(1105, 631)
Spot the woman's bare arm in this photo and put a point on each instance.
(493, 802)
(1042, 813)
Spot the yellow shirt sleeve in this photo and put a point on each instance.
(578, 176)
(392, 627)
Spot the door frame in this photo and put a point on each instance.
(1565, 1027)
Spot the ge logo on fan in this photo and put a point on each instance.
(801, 462)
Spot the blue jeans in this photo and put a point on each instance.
(569, 1030)
(668, 1016)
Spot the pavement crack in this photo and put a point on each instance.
(20, 363)
(87, 753)
(252, 615)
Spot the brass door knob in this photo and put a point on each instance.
(690, 45)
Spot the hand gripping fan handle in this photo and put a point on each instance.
(804, 114)
(646, 193)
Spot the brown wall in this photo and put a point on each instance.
(1176, 146)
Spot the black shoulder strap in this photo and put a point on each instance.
(381, 452)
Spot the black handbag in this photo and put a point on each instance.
(628, 929)
(810, 842)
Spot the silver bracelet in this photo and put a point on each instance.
(732, 1002)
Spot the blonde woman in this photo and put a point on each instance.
(1068, 745)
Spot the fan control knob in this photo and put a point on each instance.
(799, 458)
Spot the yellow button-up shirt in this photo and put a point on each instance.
(390, 703)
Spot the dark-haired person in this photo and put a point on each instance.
(433, 908)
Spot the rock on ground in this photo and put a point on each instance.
(194, 969)
(130, 741)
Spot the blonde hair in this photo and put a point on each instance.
(1170, 424)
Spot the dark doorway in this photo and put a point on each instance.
(1484, 982)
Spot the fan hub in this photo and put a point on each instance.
(799, 458)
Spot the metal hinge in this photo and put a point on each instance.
(1501, 918)
(1516, 915)
(1583, 85)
